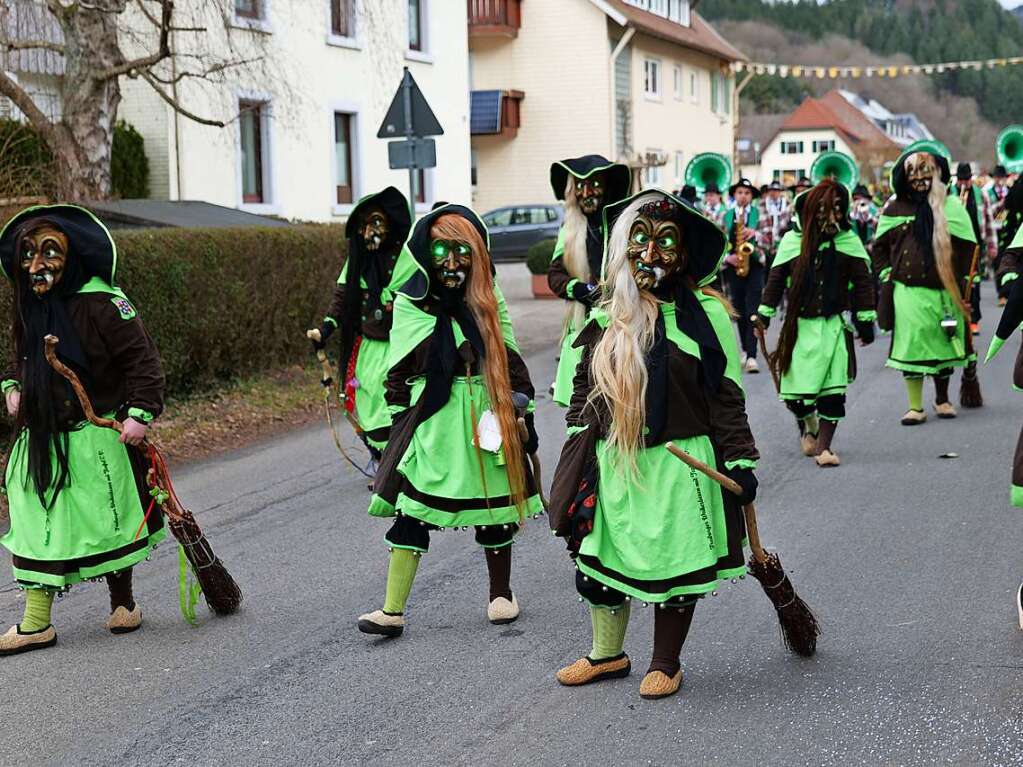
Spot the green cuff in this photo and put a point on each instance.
(1009, 277)
(993, 349)
(885, 274)
(1017, 496)
(573, 430)
(742, 463)
(766, 311)
(571, 284)
(867, 316)
(9, 383)
(144, 416)
(331, 320)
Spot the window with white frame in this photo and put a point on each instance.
(417, 25)
(652, 78)
(254, 150)
(652, 173)
(342, 18)
(791, 147)
(674, 10)
(694, 87)
(720, 94)
(344, 157)
(249, 9)
(678, 82)
(680, 167)
(419, 186)
(823, 146)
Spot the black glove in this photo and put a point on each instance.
(765, 321)
(865, 330)
(747, 480)
(532, 443)
(585, 293)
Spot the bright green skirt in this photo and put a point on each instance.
(919, 344)
(567, 364)
(664, 534)
(820, 360)
(90, 529)
(447, 481)
(371, 371)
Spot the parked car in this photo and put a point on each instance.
(515, 228)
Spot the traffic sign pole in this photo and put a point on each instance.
(406, 96)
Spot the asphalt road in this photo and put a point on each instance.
(910, 561)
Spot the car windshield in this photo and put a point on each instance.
(498, 217)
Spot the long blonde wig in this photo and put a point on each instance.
(575, 257)
(482, 302)
(619, 359)
(942, 241)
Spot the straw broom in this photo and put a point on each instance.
(969, 388)
(799, 627)
(220, 590)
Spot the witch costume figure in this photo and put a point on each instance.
(660, 364)
(1009, 325)
(823, 270)
(77, 492)
(362, 308)
(462, 406)
(587, 185)
(923, 252)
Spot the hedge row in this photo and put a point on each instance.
(225, 302)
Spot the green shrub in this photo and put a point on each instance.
(26, 165)
(221, 303)
(538, 257)
(129, 166)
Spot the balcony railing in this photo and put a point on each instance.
(494, 18)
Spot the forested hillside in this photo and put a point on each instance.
(924, 30)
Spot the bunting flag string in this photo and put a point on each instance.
(856, 72)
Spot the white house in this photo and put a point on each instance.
(301, 138)
(903, 128)
(645, 82)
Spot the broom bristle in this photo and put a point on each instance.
(220, 590)
(799, 627)
(969, 390)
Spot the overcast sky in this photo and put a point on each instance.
(1010, 3)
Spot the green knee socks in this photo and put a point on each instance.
(608, 630)
(915, 390)
(37, 610)
(400, 573)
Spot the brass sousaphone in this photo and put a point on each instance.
(1010, 148)
(838, 166)
(709, 168)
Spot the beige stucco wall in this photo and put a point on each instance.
(143, 109)
(772, 159)
(672, 125)
(560, 60)
(306, 76)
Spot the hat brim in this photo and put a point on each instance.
(88, 239)
(619, 177)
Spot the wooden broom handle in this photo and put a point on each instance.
(321, 355)
(761, 333)
(729, 484)
(50, 349)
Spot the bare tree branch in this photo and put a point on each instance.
(174, 104)
(163, 51)
(24, 102)
(21, 45)
(208, 74)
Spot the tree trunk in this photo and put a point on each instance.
(81, 142)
